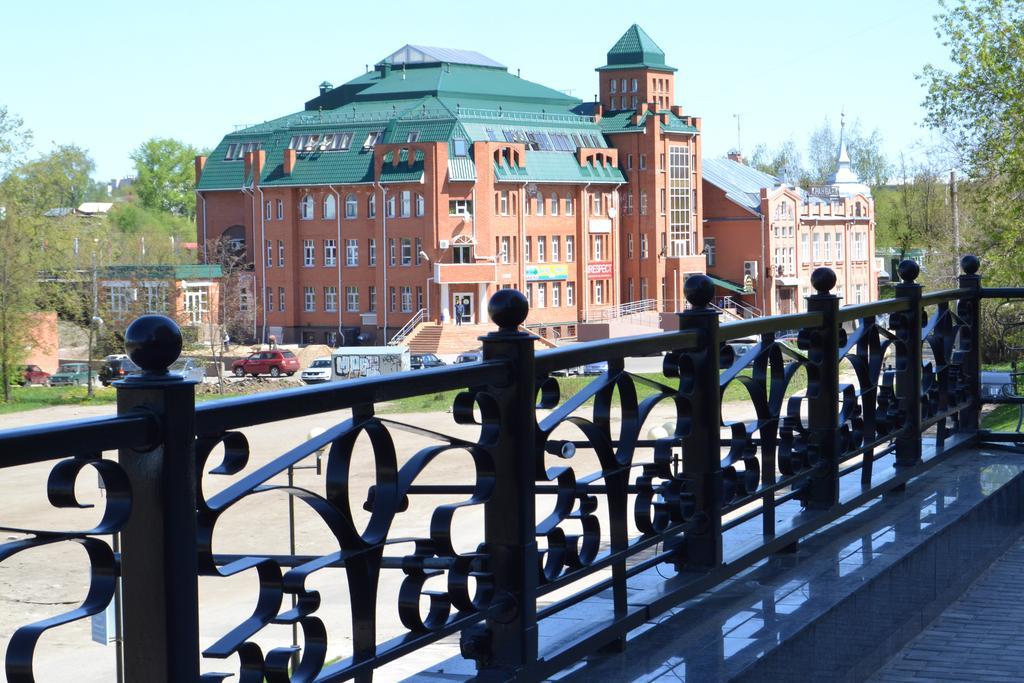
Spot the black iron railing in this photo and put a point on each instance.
(892, 388)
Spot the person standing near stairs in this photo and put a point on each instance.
(459, 312)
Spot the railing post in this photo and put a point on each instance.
(702, 458)
(822, 491)
(969, 310)
(907, 327)
(508, 647)
(158, 550)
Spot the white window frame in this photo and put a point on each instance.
(309, 299)
(330, 253)
(306, 208)
(351, 206)
(351, 298)
(351, 252)
(308, 253)
(570, 293)
(330, 207)
(554, 248)
(570, 248)
(331, 299)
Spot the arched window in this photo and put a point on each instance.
(371, 206)
(306, 208)
(540, 204)
(266, 211)
(330, 207)
(352, 206)
(554, 203)
(280, 210)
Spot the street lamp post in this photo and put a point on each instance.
(92, 323)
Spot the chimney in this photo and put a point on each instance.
(737, 156)
(326, 87)
(677, 110)
(289, 161)
(259, 160)
(644, 107)
(598, 113)
(200, 165)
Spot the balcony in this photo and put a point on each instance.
(465, 273)
(539, 522)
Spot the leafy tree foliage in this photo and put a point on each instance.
(786, 163)
(913, 213)
(166, 176)
(978, 107)
(61, 178)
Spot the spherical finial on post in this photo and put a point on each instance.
(970, 264)
(153, 342)
(908, 271)
(699, 290)
(508, 309)
(823, 280)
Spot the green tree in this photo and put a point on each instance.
(914, 213)
(59, 178)
(166, 176)
(783, 162)
(15, 140)
(978, 108)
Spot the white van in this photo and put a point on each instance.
(350, 362)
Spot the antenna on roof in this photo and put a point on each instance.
(367, 68)
(739, 146)
(517, 73)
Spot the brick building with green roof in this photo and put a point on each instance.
(438, 177)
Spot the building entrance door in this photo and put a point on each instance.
(786, 300)
(468, 309)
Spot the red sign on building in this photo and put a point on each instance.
(601, 270)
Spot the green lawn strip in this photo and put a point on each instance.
(1002, 419)
(33, 398)
(568, 386)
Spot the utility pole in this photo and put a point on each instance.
(956, 223)
(92, 323)
(739, 141)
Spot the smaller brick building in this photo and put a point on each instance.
(762, 238)
(188, 293)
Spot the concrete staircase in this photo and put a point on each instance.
(431, 337)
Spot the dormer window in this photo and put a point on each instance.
(372, 139)
(238, 150)
(329, 142)
(459, 147)
(413, 136)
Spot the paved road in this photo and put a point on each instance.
(977, 638)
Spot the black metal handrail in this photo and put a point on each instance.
(892, 388)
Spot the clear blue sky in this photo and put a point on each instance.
(107, 75)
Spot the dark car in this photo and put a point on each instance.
(116, 367)
(418, 361)
(275, 363)
(33, 374)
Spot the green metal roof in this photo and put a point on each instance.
(461, 169)
(620, 122)
(635, 50)
(182, 271)
(403, 172)
(728, 284)
(555, 167)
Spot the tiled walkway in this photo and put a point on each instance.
(980, 637)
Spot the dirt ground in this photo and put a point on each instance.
(46, 582)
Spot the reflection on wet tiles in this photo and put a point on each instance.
(741, 622)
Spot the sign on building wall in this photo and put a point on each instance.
(547, 272)
(600, 225)
(600, 270)
(824, 191)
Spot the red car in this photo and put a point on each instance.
(33, 374)
(276, 363)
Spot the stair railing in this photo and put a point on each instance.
(407, 328)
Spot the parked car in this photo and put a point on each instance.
(469, 357)
(116, 367)
(598, 368)
(418, 361)
(189, 368)
(567, 372)
(70, 374)
(275, 363)
(741, 346)
(996, 384)
(318, 371)
(33, 374)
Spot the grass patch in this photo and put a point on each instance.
(1002, 419)
(569, 386)
(33, 398)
